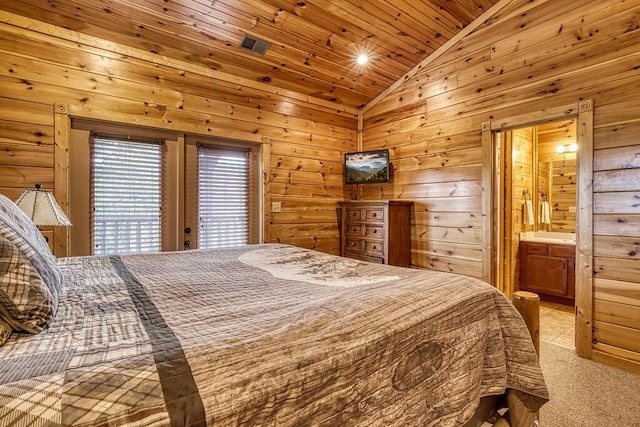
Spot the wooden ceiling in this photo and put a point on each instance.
(314, 43)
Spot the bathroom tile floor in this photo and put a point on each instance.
(557, 324)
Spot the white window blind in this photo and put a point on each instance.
(224, 197)
(126, 195)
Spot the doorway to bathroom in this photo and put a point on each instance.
(539, 204)
(507, 193)
(539, 223)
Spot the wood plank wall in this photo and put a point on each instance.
(106, 81)
(616, 186)
(544, 191)
(563, 199)
(521, 189)
(26, 149)
(530, 57)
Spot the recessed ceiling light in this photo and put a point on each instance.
(363, 58)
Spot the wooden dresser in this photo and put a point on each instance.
(376, 231)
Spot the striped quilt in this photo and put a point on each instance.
(265, 335)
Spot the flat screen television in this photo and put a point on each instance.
(366, 167)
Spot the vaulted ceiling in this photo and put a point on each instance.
(313, 43)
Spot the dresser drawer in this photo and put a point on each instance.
(374, 214)
(354, 214)
(562, 251)
(356, 245)
(354, 229)
(373, 247)
(374, 231)
(537, 248)
(360, 256)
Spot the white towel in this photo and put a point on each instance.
(527, 213)
(545, 217)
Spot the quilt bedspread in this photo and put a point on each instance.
(265, 335)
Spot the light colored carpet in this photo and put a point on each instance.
(584, 393)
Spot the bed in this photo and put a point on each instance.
(258, 335)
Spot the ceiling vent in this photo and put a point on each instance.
(254, 45)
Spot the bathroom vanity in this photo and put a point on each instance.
(547, 265)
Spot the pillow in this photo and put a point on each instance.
(13, 220)
(5, 331)
(30, 279)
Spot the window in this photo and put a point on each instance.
(135, 189)
(225, 197)
(126, 195)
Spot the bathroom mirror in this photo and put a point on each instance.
(556, 177)
(543, 174)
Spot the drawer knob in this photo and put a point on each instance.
(374, 247)
(353, 229)
(353, 243)
(374, 215)
(375, 230)
(353, 214)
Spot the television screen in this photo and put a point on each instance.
(365, 167)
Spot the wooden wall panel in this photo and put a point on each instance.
(519, 183)
(25, 154)
(26, 145)
(563, 195)
(100, 80)
(534, 58)
(543, 190)
(26, 149)
(522, 156)
(26, 132)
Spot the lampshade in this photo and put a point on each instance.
(42, 208)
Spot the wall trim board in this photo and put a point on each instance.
(615, 360)
(535, 117)
(583, 112)
(584, 231)
(51, 33)
(490, 173)
(265, 188)
(61, 140)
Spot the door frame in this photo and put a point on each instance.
(175, 139)
(492, 180)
